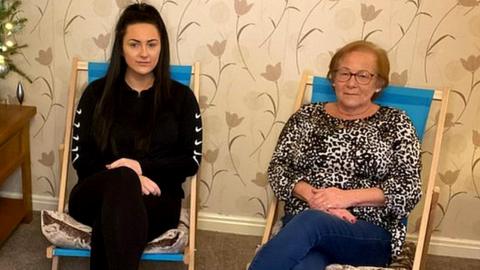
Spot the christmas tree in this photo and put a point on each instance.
(10, 23)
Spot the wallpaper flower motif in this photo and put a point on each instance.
(475, 161)
(399, 78)
(42, 13)
(449, 178)
(67, 24)
(431, 43)
(102, 41)
(471, 64)
(48, 161)
(165, 3)
(302, 36)
(368, 13)
(242, 8)
(217, 49)
(272, 73)
(182, 29)
(45, 58)
(210, 157)
(277, 23)
(405, 30)
(261, 181)
(233, 121)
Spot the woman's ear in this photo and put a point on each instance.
(380, 84)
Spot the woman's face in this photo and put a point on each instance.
(141, 48)
(355, 80)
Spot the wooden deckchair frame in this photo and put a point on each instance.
(79, 66)
(432, 191)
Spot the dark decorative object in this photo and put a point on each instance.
(20, 92)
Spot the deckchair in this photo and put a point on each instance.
(187, 75)
(416, 103)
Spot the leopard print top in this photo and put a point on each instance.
(381, 151)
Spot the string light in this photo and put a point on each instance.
(10, 23)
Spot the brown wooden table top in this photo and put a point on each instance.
(13, 118)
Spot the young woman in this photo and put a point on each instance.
(137, 136)
(348, 172)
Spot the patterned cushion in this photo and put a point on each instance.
(349, 267)
(64, 231)
(403, 262)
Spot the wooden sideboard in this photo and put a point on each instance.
(14, 153)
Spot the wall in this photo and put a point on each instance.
(252, 54)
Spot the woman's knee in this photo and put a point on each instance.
(313, 225)
(310, 218)
(125, 178)
(125, 172)
(314, 260)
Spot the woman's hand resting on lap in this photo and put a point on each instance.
(148, 186)
(333, 201)
(126, 162)
(342, 214)
(326, 198)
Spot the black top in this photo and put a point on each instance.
(176, 144)
(380, 151)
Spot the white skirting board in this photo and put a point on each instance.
(442, 246)
(39, 202)
(231, 224)
(452, 247)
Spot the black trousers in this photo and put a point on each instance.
(122, 219)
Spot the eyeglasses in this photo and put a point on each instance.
(361, 76)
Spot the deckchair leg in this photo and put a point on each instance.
(189, 258)
(55, 262)
(191, 265)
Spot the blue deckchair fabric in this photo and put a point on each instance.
(73, 252)
(414, 101)
(181, 74)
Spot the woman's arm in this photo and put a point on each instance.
(86, 156)
(327, 198)
(309, 194)
(186, 159)
(284, 172)
(402, 185)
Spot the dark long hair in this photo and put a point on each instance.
(105, 109)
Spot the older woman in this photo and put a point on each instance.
(348, 172)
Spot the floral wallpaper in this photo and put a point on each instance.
(252, 54)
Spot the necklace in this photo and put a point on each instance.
(353, 116)
(139, 83)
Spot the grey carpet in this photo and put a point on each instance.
(25, 250)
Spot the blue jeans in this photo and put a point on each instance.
(314, 239)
